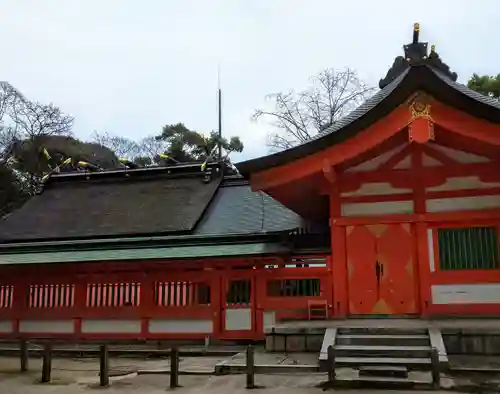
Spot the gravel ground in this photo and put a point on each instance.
(71, 376)
(64, 383)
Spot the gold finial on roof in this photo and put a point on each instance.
(433, 48)
(416, 31)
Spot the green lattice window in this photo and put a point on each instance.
(468, 248)
(293, 288)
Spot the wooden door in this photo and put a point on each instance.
(238, 305)
(381, 269)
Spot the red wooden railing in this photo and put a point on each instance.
(158, 303)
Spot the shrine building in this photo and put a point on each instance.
(393, 210)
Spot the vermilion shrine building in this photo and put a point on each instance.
(392, 211)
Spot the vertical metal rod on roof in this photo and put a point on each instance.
(220, 115)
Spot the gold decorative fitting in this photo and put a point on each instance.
(420, 106)
(420, 110)
(416, 26)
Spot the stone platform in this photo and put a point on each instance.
(471, 336)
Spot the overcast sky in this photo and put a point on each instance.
(128, 67)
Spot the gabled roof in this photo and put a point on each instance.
(416, 71)
(236, 209)
(151, 207)
(115, 203)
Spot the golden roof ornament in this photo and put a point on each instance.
(415, 54)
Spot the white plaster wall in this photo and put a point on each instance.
(460, 156)
(47, 326)
(6, 326)
(103, 326)
(404, 164)
(463, 203)
(238, 319)
(269, 319)
(463, 183)
(428, 161)
(374, 189)
(181, 326)
(377, 208)
(370, 165)
(466, 294)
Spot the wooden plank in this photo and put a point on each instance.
(382, 348)
(437, 342)
(240, 368)
(381, 336)
(328, 339)
(383, 360)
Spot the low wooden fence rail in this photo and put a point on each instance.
(249, 368)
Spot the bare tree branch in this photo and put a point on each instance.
(24, 127)
(152, 147)
(121, 146)
(33, 119)
(300, 116)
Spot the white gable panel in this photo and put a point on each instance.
(373, 163)
(460, 156)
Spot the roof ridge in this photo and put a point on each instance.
(464, 89)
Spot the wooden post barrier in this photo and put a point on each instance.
(174, 368)
(250, 361)
(331, 364)
(23, 350)
(436, 376)
(104, 365)
(46, 363)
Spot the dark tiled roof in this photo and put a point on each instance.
(476, 96)
(236, 209)
(364, 108)
(125, 206)
(418, 77)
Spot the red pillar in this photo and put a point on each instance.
(419, 206)
(424, 274)
(80, 302)
(339, 257)
(217, 297)
(19, 303)
(147, 302)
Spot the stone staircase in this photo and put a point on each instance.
(384, 354)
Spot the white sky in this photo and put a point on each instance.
(128, 67)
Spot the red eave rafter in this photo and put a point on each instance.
(458, 122)
(336, 154)
(464, 124)
(483, 170)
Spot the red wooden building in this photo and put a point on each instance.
(393, 210)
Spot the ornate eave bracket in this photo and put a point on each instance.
(421, 124)
(329, 172)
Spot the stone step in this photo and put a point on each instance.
(409, 362)
(383, 371)
(382, 331)
(387, 383)
(383, 340)
(381, 351)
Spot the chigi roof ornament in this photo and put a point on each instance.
(415, 55)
